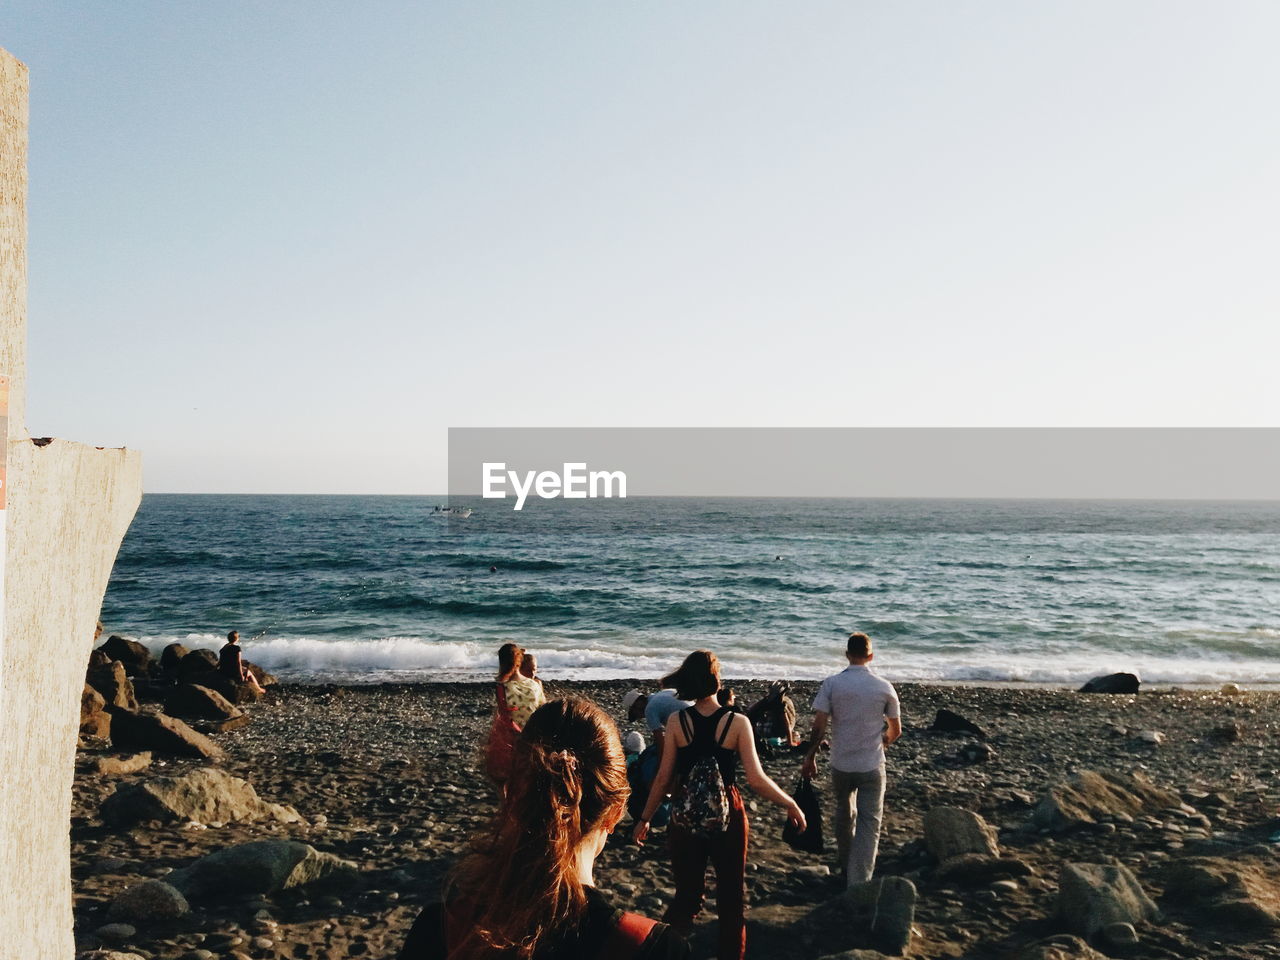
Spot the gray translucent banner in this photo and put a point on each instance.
(1085, 463)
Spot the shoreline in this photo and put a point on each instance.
(387, 776)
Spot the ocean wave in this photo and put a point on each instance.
(308, 659)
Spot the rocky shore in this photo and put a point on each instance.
(1145, 824)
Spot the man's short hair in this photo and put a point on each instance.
(859, 646)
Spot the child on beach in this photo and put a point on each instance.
(526, 890)
(710, 730)
(518, 696)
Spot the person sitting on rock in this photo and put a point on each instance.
(231, 666)
(526, 889)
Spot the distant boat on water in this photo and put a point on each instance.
(462, 512)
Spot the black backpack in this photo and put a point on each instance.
(701, 806)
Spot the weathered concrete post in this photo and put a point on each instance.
(69, 506)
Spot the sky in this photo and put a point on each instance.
(282, 247)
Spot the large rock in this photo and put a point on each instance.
(149, 900)
(197, 663)
(260, 867)
(1093, 897)
(877, 915)
(951, 832)
(192, 701)
(1090, 797)
(207, 795)
(1062, 947)
(159, 734)
(1113, 683)
(973, 870)
(948, 721)
(94, 719)
(231, 690)
(122, 765)
(113, 683)
(1242, 893)
(135, 657)
(170, 656)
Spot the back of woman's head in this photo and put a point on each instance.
(521, 883)
(697, 677)
(509, 657)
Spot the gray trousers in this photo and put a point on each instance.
(858, 834)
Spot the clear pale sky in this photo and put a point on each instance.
(282, 246)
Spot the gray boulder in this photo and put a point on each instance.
(149, 900)
(1241, 893)
(206, 795)
(1090, 797)
(159, 734)
(1093, 897)
(874, 916)
(951, 832)
(260, 867)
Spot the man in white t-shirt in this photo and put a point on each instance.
(655, 709)
(865, 718)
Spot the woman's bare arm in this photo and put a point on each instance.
(757, 779)
(661, 783)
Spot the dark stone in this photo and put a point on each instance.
(1113, 683)
(191, 700)
(131, 653)
(197, 663)
(948, 721)
(171, 655)
(98, 658)
(160, 734)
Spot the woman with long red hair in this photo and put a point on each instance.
(525, 891)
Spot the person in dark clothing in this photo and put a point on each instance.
(709, 729)
(231, 666)
(525, 890)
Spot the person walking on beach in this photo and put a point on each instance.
(655, 709)
(517, 696)
(232, 666)
(526, 888)
(709, 731)
(865, 717)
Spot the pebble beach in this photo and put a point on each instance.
(386, 781)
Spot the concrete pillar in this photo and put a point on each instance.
(69, 506)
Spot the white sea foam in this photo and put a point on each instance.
(308, 659)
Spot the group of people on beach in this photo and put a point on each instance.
(525, 889)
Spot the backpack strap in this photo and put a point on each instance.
(628, 936)
(725, 732)
(686, 724)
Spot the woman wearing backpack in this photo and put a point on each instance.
(702, 748)
(525, 889)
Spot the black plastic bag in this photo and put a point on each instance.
(809, 840)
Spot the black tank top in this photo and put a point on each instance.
(703, 742)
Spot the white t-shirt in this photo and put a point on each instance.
(858, 702)
(662, 705)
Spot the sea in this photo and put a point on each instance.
(357, 589)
